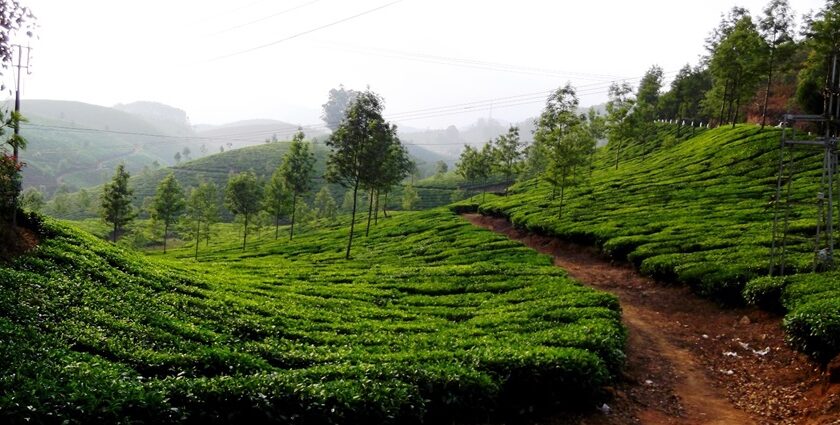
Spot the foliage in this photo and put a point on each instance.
(334, 111)
(116, 200)
(168, 205)
(32, 200)
(325, 206)
(296, 171)
(243, 196)
(277, 199)
(507, 153)
(410, 198)
(736, 66)
(620, 126)
(359, 149)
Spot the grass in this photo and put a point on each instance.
(432, 320)
(696, 209)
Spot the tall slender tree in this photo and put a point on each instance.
(242, 197)
(116, 201)
(202, 211)
(277, 199)
(619, 119)
(776, 27)
(297, 169)
(353, 149)
(168, 204)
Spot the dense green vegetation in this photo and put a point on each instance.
(697, 210)
(432, 320)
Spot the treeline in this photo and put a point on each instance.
(756, 68)
(366, 156)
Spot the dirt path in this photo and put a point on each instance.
(688, 360)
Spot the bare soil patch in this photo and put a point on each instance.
(689, 360)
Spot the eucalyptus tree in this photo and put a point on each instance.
(168, 204)
(202, 211)
(116, 200)
(619, 124)
(507, 153)
(736, 65)
(277, 199)
(474, 165)
(297, 170)
(354, 149)
(242, 197)
(776, 28)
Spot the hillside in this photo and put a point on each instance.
(78, 144)
(433, 321)
(263, 159)
(698, 210)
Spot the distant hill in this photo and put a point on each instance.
(78, 144)
(173, 120)
(251, 132)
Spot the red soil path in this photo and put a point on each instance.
(690, 361)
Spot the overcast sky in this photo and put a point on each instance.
(223, 61)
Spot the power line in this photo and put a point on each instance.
(309, 31)
(265, 18)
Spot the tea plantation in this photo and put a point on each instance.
(432, 321)
(698, 209)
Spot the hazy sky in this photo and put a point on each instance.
(223, 61)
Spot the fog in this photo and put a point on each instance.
(435, 62)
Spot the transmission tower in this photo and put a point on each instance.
(793, 153)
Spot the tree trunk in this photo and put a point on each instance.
(385, 206)
(562, 194)
(115, 231)
(618, 152)
(352, 220)
(723, 101)
(276, 226)
(165, 233)
(245, 233)
(737, 107)
(370, 212)
(294, 210)
(376, 210)
(767, 90)
(197, 238)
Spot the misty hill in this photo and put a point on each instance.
(78, 144)
(173, 120)
(251, 132)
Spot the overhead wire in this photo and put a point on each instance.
(302, 33)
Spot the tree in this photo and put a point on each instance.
(296, 170)
(335, 109)
(393, 168)
(507, 153)
(355, 149)
(177, 158)
(32, 199)
(564, 141)
(168, 204)
(736, 66)
(242, 197)
(116, 201)
(410, 198)
(685, 96)
(277, 199)
(186, 153)
(441, 168)
(776, 26)
(474, 166)
(325, 206)
(202, 211)
(822, 32)
(619, 123)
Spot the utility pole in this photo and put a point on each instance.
(20, 65)
(16, 118)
